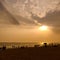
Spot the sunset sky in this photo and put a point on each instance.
(21, 20)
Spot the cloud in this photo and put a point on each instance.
(51, 18)
(31, 11)
(6, 17)
(37, 7)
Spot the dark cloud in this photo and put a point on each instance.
(22, 13)
(16, 13)
(37, 7)
(51, 19)
(12, 1)
(24, 20)
(6, 17)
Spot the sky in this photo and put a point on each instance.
(20, 20)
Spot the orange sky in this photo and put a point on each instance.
(16, 34)
(20, 20)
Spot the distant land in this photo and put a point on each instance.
(26, 44)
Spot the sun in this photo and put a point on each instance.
(43, 28)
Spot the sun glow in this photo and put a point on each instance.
(43, 28)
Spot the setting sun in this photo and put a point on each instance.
(43, 28)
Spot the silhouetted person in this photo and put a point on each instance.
(0, 48)
(37, 46)
(4, 47)
(22, 47)
(45, 44)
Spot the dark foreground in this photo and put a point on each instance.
(44, 53)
